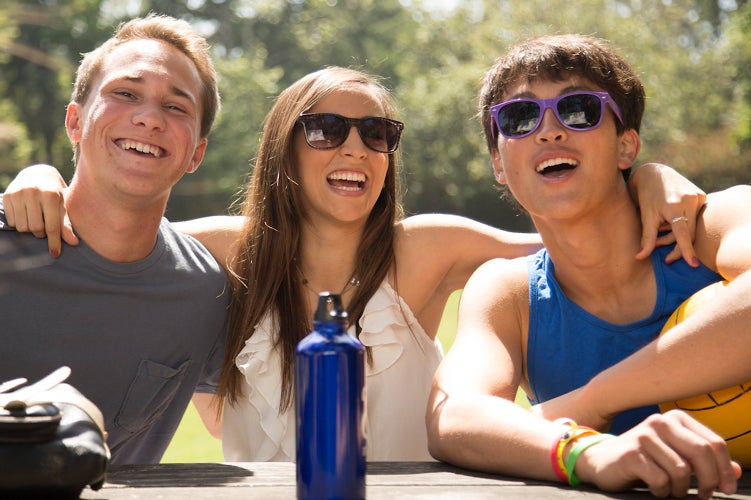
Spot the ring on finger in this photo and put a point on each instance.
(681, 218)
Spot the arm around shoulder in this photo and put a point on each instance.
(464, 244)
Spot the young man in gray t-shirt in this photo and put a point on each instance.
(136, 310)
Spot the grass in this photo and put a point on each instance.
(192, 443)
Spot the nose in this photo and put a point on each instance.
(149, 115)
(550, 128)
(353, 145)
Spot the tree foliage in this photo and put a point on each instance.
(693, 56)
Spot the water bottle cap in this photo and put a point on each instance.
(330, 308)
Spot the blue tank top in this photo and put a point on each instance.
(567, 346)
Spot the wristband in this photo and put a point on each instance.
(558, 466)
(576, 450)
(559, 446)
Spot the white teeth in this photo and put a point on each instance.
(141, 147)
(347, 176)
(555, 161)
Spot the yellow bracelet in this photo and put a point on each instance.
(575, 432)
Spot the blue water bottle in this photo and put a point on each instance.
(330, 407)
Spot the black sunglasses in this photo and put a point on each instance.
(329, 130)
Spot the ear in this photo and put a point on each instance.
(74, 122)
(198, 153)
(500, 174)
(629, 145)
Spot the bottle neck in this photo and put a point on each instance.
(329, 327)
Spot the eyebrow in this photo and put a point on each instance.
(174, 89)
(566, 90)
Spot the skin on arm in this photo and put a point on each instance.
(206, 405)
(709, 350)
(34, 202)
(471, 410)
(437, 253)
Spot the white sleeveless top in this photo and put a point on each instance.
(398, 384)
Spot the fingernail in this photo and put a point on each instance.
(695, 262)
(55, 253)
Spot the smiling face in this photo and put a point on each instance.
(139, 130)
(555, 171)
(341, 185)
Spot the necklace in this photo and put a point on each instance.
(354, 281)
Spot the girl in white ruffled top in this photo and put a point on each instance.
(323, 212)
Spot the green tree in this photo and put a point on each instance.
(693, 56)
(38, 68)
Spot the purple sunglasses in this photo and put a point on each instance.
(581, 110)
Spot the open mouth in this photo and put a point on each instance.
(556, 165)
(140, 147)
(347, 181)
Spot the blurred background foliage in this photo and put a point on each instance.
(693, 55)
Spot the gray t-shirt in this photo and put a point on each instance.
(140, 337)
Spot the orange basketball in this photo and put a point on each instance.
(727, 411)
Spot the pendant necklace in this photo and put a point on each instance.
(354, 281)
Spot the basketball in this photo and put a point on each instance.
(727, 411)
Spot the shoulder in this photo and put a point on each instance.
(507, 272)
(185, 248)
(497, 286)
(220, 234)
(729, 199)
(723, 234)
(724, 212)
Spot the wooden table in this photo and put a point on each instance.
(385, 480)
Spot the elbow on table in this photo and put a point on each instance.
(442, 429)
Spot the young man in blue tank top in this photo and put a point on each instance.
(561, 117)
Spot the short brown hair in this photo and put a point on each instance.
(555, 58)
(175, 32)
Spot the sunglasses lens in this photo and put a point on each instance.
(325, 131)
(580, 111)
(577, 111)
(518, 118)
(379, 134)
(328, 130)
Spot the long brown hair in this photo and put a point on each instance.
(265, 278)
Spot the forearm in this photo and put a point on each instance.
(492, 434)
(707, 351)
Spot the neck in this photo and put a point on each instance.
(328, 257)
(114, 231)
(596, 267)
